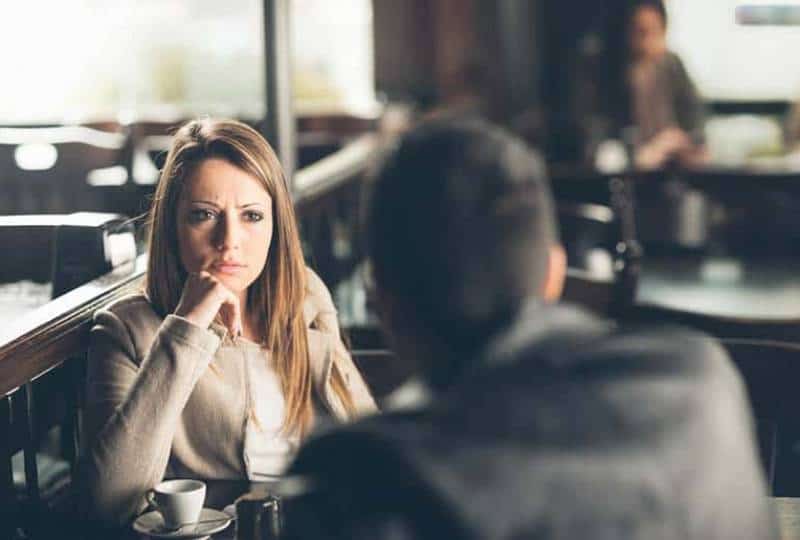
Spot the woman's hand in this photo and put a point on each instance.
(669, 143)
(204, 297)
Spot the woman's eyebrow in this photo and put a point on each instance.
(211, 203)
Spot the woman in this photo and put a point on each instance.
(215, 371)
(667, 110)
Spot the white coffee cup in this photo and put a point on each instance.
(179, 501)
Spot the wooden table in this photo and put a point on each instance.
(788, 512)
(764, 289)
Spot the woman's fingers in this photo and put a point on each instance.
(204, 298)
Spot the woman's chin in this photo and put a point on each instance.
(234, 283)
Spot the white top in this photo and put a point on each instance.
(267, 451)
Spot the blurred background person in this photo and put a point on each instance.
(665, 106)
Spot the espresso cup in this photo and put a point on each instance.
(178, 501)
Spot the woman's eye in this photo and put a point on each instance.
(199, 215)
(253, 216)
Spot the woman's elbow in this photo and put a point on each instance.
(102, 503)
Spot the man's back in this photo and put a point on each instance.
(565, 429)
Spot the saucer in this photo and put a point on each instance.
(152, 524)
(230, 510)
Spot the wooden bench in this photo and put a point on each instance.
(42, 365)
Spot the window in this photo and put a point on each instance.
(732, 62)
(76, 60)
(333, 55)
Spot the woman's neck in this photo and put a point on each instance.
(251, 324)
(252, 329)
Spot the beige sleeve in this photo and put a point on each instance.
(325, 320)
(133, 409)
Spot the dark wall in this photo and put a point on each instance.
(404, 67)
(551, 69)
(583, 71)
(437, 51)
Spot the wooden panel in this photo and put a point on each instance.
(46, 337)
(788, 511)
(7, 502)
(404, 39)
(26, 419)
(325, 177)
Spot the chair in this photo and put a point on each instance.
(595, 293)
(29, 415)
(40, 418)
(42, 380)
(770, 370)
(597, 229)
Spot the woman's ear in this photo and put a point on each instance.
(556, 273)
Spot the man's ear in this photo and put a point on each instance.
(556, 274)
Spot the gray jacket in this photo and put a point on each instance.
(565, 428)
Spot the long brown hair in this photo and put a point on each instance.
(276, 297)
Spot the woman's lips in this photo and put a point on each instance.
(228, 268)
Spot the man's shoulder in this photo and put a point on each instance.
(630, 363)
(565, 337)
(670, 347)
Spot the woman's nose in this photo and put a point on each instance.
(228, 234)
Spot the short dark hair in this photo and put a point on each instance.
(460, 226)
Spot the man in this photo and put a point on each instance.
(544, 421)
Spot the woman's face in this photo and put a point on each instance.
(224, 224)
(648, 34)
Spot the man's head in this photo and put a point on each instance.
(461, 232)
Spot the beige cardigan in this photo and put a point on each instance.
(154, 410)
